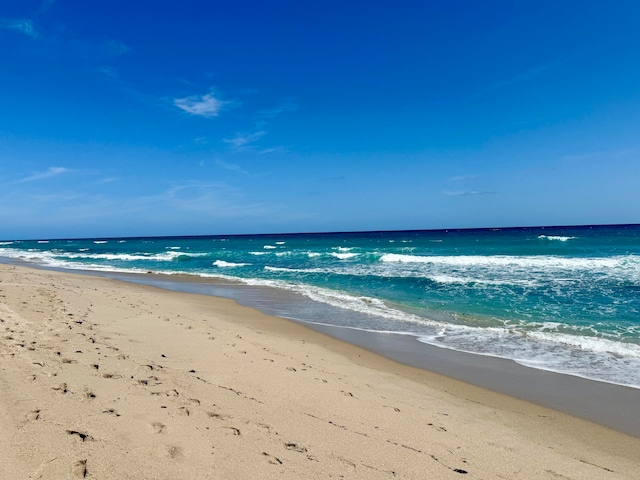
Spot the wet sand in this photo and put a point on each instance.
(105, 379)
(614, 406)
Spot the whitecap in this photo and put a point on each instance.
(555, 237)
(223, 264)
(344, 256)
(530, 261)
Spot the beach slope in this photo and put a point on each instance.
(106, 379)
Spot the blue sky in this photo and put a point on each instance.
(194, 117)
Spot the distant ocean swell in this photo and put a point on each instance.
(565, 301)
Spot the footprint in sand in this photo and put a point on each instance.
(158, 427)
(295, 447)
(82, 436)
(219, 416)
(62, 388)
(271, 459)
(173, 452)
(79, 469)
(33, 415)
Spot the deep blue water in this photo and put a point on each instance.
(562, 299)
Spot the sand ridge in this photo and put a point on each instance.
(104, 379)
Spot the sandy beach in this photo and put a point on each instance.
(108, 380)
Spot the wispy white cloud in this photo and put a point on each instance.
(21, 25)
(108, 180)
(50, 172)
(55, 46)
(466, 193)
(231, 166)
(602, 155)
(186, 204)
(461, 178)
(209, 199)
(264, 151)
(243, 140)
(202, 105)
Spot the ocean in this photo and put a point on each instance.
(563, 299)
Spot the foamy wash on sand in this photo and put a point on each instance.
(559, 299)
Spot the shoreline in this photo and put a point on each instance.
(103, 378)
(611, 405)
(607, 404)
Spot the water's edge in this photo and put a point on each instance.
(611, 405)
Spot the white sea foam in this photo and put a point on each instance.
(269, 268)
(555, 237)
(447, 279)
(361, 304)
(174, 248)
(314, 254)
(258, 253)
(49, 257)
(223, 264)
(6, 243)
(382, 272)
(540, 348)
(592, 344)
(549, 355)
(527, 261)
(43, 241)
(344, 256)
(100, 242)
(280, 243)
(269, 247)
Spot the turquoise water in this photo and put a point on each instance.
(560, 299)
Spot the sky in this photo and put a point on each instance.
(144, 118)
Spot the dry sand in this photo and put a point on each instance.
(108, 380)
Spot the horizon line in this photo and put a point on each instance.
(342, 232)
